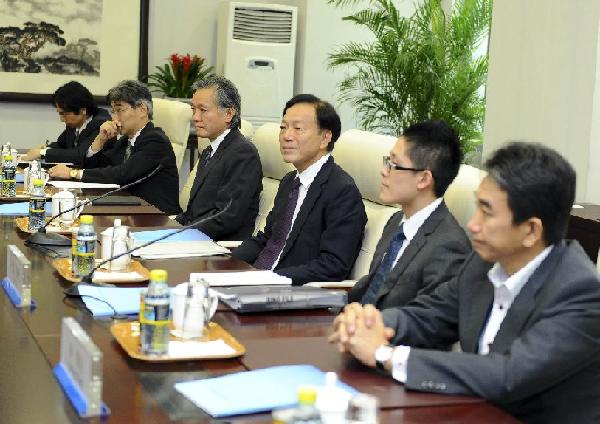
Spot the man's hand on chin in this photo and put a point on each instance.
(60, 171)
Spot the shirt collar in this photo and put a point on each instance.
(309, 174)
(412, 224)
(515, 282)
(217, 141)
(135, 136)
(80, 129)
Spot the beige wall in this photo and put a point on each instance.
(543, 82)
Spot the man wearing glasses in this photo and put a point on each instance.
(423, 245)
(138, 151)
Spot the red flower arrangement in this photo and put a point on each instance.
(175, 79)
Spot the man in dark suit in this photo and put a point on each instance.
(229, 174)
(525, 306)
(423, 245)
(137, 153)
(314, 231)
(77, 108)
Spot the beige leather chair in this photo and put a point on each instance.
(460, 196)
(360, 153)
(266, 139)
(174, 118)
(184, 195)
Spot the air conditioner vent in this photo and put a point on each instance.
(262, 25)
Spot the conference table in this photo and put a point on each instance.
(143, 392)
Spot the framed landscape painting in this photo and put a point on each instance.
(46, 43)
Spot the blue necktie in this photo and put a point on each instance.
(281, 228)
(384, 268)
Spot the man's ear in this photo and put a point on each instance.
(325, 139)
(425, 180)
(534, 232)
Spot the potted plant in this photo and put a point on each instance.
(175, 79)
(417, 68)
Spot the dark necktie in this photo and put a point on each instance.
(385, 267)
(205, 157)
(127, 151)
(76, 139)
(281, 228)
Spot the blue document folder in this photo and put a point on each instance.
(186, 235)
(20, 208)
(254, 391)
(124, 300)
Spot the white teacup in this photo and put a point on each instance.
(64, 200)
(113, 245)
(192, 314)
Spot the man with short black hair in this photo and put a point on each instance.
(140, 149)
(314, 231)
(525, 306)
(422, 246)
(229, 174)
(77, 108)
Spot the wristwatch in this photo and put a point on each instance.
(382, 355)
(74, 173)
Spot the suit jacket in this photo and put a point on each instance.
(544, 364)
(327, 232)
(233, 174)
(433, 256)
(151, 148)
(63, 150)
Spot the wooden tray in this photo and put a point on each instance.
(23, 225)
(63, 266)
(127, 335)
(21, 196)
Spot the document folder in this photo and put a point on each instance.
(274, 298)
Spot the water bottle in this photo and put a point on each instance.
(9, 171)
(305, 413)
(37, 206)
(84, 252)
(155, 315)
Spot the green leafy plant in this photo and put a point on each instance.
(417, 68)
(175, 79)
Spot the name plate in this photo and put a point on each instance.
(79, 371)
(17, 283)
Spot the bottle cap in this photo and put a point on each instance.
(8, 157)
(307, 395)
(158, 275)
(38, 182)
(117, 222)
(86, 219)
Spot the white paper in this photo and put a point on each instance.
(79, 184)
(577, 206)
(196, 349)
(104, 276)
(180, 249)
(247, 278)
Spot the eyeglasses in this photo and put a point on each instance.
(120, 110)
(389, 165)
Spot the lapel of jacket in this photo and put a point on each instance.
(314, 192)
(524, 304)
(414, 247)
(480, 300)
(215, 158)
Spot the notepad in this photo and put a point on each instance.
(246, 278)
(180, 249)
(79, 184)
(20, 208)
(190, 234)
(124, 300)
(254, 391)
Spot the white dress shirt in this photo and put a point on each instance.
(306, 178)
(506, 289)
(217, 141)
(412, 225)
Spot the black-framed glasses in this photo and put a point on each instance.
(389, 165)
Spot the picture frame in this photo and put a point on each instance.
(123, 55)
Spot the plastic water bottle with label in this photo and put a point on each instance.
(37, 206)
(155, 315)
(84, 247)
(9, 172)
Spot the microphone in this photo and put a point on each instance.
(87, 279)
(41, 237)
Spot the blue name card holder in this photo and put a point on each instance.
(17, 283)
(79, 371)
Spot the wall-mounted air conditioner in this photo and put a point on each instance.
(256, 49)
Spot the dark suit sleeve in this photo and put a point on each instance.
(244, 179)
(249, 250)
(340, 241)
(444, 263)
(144, 158)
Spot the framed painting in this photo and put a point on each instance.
(46, 43)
